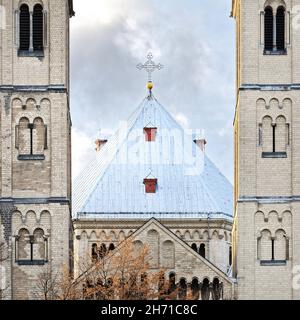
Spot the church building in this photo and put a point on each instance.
(154, 180)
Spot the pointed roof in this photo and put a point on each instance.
(189, 184)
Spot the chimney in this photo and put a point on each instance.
(201, 143)
(99, 144)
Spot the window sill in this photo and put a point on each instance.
(34, 157)
(275, 53)
(274, 155)
(31, 262)
(272, 262)
(27, 53)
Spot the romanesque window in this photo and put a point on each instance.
(194, 247)
(280, 28)
(216, 289)
(172, 283)
(269, 29)
(153, 242)
(168, 254)
(31, 249)
(280, 246)
(195, 288)
(202, 250)
(99, 252)
(24, 27)
(37, 27)
(31, 31)
(31, 139)
(205, 290)
(272, 250)
(274, 29)
(274, 137)
(182, 290)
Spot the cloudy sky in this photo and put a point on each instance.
(193, 39)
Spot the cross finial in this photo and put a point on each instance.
(149, 66)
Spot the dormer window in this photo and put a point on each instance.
(150, 134)
(150, 185)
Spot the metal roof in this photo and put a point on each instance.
(189, 184)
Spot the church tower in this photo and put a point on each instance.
(35, 150)
(267, 149)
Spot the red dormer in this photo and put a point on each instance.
(150, 185)
(150, 133)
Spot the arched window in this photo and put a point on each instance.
(23, 137)
(281, 134)
(172, 284)
(194, 247)
(168, 255)
(265, 246)
(153, 241)
(182, 292)
(39, 252)
(31, 249)
(24, 28)
(205, 290)
(195, 289)
(37, 27)
(111, 247)
(269, 29)
(280, 29)
(202, 250)
(94, 252)
(39, 136)
(31, 139)
(102, 251)
(23, 247)
(216, 289)
(280, 246)
(230, 256)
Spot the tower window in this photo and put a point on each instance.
(31, 139)
(31, 249)
(24, 27)
(37, 24)
(274, 25)
(32, 27)
(280, 22)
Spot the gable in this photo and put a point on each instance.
(184, 261)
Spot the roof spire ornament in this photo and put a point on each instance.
(149, 66)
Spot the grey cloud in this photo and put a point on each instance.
(197, 49)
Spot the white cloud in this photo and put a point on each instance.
(82, 151)
(182, 120)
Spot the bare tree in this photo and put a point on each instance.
(121, 274)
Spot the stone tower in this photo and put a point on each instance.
(35, 150)
(267, 149)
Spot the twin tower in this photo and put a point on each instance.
(266, 228)
(35, 147)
